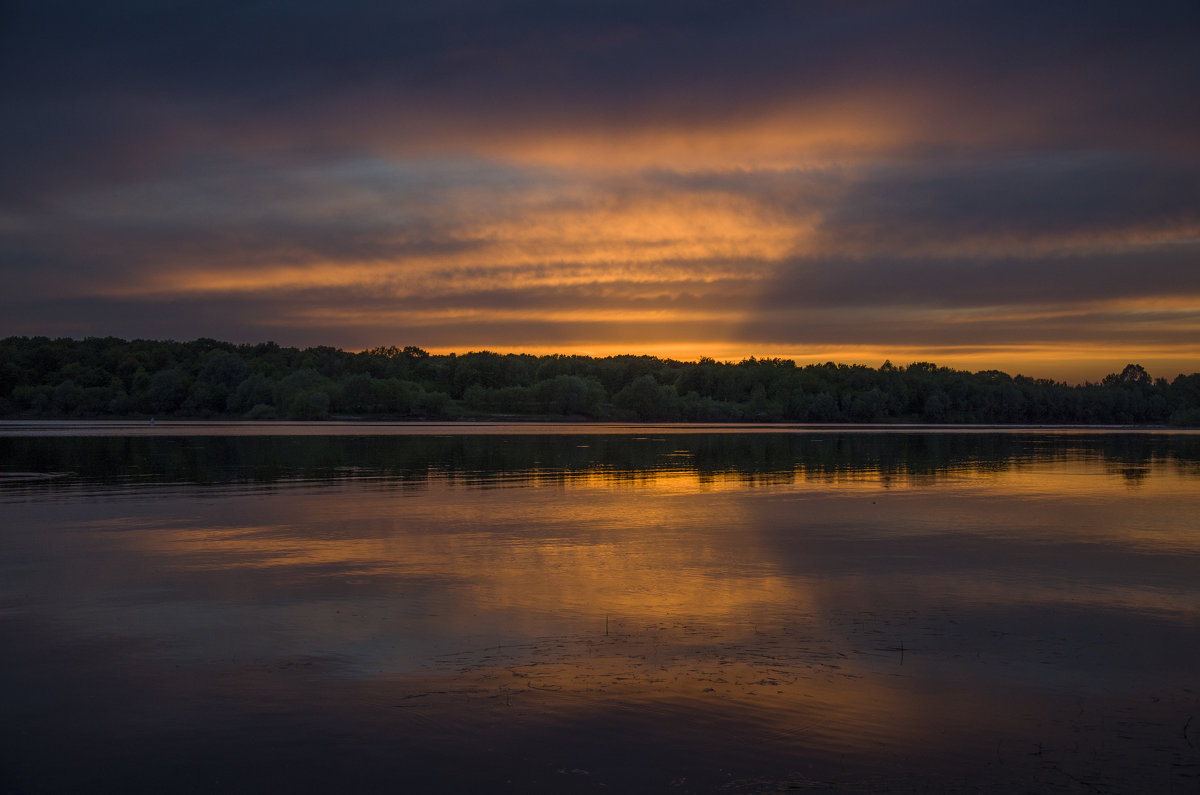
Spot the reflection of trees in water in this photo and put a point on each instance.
(764, 458)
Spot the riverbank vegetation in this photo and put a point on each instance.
(206, 378)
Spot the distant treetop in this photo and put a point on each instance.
(110, 377)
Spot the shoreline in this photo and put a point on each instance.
(348, 427)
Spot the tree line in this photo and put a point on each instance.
(206, 378)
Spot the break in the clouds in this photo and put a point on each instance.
(987, 185)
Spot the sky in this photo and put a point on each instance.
(983, 185)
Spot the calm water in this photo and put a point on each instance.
(397, 608)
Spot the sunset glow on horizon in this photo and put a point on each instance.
(1007, 187)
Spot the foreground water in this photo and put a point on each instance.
(243, 608)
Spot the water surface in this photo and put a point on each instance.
(558, 609)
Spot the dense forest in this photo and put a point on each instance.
(205, 378)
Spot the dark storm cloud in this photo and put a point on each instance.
(105, 90)
(1056, 195)
(291, 50)
(986, 281)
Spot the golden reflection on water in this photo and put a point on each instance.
(559, 554)
(644, 521)
(865, 610)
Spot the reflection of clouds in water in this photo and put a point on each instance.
(552, 558)
(935, 601)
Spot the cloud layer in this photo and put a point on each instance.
(1013, 186)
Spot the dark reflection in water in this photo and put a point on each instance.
(643, 611)
(774, 457)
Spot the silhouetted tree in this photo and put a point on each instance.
(206, 377)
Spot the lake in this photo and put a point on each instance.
(216, 607)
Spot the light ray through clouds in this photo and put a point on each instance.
(986, 187)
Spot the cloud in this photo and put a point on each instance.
(1166, 271)
(472, 174)
(1055, 200)
(137, 85)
